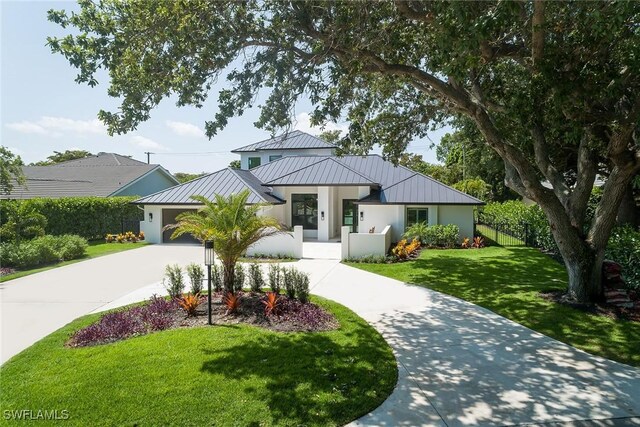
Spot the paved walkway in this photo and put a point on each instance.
(459, 365)
(34, 306)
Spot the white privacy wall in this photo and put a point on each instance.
(358, 245)
(379, 216)
(289, 243)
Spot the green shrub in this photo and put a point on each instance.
(42, 250)
(238, 279)
(89, 217)
(173, 281)
(301, 285)
(289, 277)
(371, 259)
(256, 282)
(216, 278)
(440, 236)
(624, 248)
(196, 275)
(275, 278)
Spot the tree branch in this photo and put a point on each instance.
(538, 33)
(407, 11)
(549, 171)
(587, 168)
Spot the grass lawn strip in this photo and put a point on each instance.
(220, 375)
(508, 281)
(94, 250)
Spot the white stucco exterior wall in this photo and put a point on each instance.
(460, 215)
(289, 243)
(379, 216)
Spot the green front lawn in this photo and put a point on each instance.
(95, 249)
(222, 375)
(507, 281)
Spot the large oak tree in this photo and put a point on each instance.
(553, 87)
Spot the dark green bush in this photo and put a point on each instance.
(238, 279)
(624, 248)
(173, 280)
(256, 281)
(89, 217)
(42, 250)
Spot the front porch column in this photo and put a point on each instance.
(323, 206)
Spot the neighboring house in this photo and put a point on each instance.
(321, 192)
(102, 175)
(294, 143)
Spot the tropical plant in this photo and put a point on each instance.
(196, 275)
(231, 223)
(466, 243)
(21, 221)
(416, 231)
(232, 302)
(173, 280)
(189, 303)
(256, 281)
(404, 250)
(478, 242)
(271, 303)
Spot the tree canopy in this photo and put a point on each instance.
(552, 87)
(10, 170)
(59, 157)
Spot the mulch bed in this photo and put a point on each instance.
(600, 309)
(160, 314)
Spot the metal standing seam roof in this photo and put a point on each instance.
(224, 182)
(393, 184)
(327, 171)
(101, 175)
(295, 140)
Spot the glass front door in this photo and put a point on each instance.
(350, 215)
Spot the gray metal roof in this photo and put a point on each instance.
(223, 182)
(101, 175)
(295, 140)
(392, 184)
(327, 171)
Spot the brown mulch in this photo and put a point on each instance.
(599, 309)
(251, 312)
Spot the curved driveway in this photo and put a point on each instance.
(34, 306)
(459, 364)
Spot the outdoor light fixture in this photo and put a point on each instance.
(361, 215)
(208, 261)
(322, 215)
(150, 217)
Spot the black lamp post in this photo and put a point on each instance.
(208, 261)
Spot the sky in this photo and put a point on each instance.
(42, 108)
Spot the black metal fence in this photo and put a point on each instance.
(505, 234)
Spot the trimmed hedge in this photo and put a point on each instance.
(89, 217)
(438, 236)
(42, 250)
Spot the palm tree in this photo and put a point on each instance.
(232, 224)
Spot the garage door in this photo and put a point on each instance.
(169, 217)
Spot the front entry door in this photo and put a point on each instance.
(350, 215)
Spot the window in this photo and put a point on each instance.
(304, 210)
(254, 162)
(415, 215)
(275, 157)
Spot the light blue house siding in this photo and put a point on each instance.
(152, 182)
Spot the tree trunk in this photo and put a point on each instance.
(584, 268)
(628, 211)
(229, 273)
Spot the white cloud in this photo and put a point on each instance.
(147, 143)
(58, 126)
(303, 123)
(185, 129)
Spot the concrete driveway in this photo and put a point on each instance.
(462, 365)
(32, 307)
